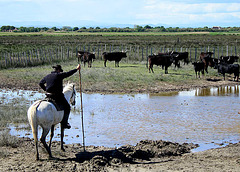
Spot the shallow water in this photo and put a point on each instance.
(208, 117)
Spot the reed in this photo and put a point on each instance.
(13, 112)
(6, 139)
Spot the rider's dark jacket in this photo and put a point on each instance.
(54, 81)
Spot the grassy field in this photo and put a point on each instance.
(24, 46)
(22, 41)
(102, 33)
(114, 33)
(132, 74)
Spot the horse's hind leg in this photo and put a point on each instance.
(35, 136)
(51, 136)
(43, 140)
(36, 145)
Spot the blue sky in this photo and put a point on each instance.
(110, 13)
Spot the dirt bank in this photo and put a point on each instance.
(145, 156)
(7, 83)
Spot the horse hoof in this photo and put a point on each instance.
(51, 158)
(63, 149)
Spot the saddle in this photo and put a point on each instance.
(51, 98)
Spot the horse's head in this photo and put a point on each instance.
(70, 93)
(72, 99)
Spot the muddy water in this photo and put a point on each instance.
(208, 117)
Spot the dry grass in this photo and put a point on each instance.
(6, 139)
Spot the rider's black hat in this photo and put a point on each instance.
(58, 67)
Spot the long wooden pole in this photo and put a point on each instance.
(80, 86)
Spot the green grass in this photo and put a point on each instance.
(110, 33)
(132, 76)
(14, 111)
(132, 73)
(97, 33)
(25, 42)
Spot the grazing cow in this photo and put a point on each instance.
(229, 59)
(224, 68)
(163, 60)
(114, 56)
(207, 59)
(86, 57)
(178, 56)
(198, 67)
(174, 56)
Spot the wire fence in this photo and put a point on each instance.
(40, 56)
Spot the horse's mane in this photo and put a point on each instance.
(68, 87)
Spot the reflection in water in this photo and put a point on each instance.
(203, 116)
(174, 93)
(220, 91)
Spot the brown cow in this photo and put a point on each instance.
(207, 59)
(86, 57)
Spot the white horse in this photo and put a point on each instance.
(45, 114)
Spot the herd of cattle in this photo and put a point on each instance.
(225, 64)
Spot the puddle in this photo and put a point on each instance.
(208, 117)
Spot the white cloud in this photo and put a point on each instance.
(121, 12)
(169, 13)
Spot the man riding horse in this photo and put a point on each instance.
(53, 84)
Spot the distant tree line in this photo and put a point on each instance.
(136, 28)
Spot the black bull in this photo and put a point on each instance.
(198, 67)
(163, 60)
(229, 59)
(179, 56)
(224, 68)
(114, 56)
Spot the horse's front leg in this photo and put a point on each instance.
(51, 136)
(62, 135)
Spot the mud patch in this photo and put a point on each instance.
(169, 157)
(144, 150)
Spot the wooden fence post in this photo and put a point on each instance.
(5, 60)
(190, 54)
(147, 56)
(195, 54)
(227, 51)
(213, 52)
(68, 53)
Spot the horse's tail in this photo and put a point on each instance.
(32, 118)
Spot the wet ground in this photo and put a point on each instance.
(208, 117)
